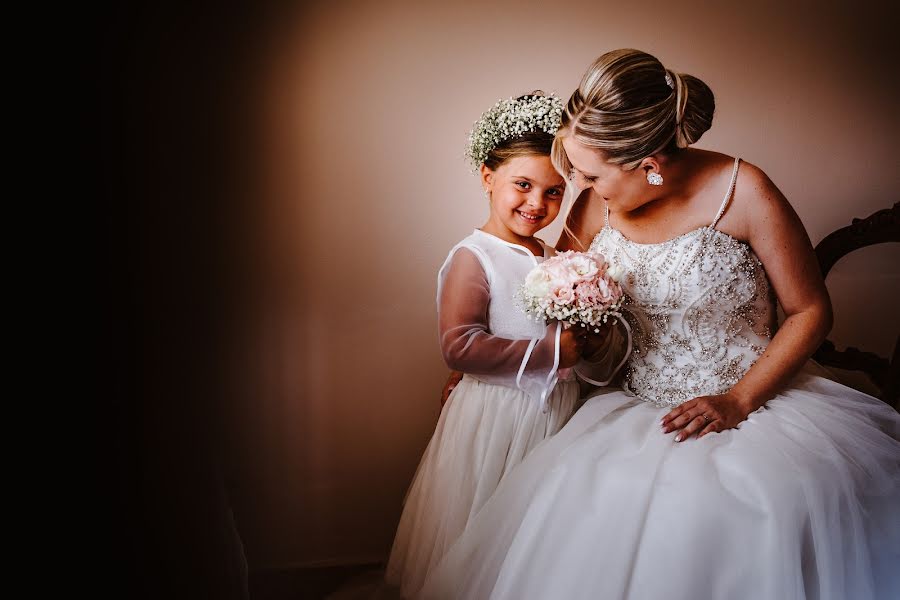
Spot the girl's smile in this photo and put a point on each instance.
(526, 193)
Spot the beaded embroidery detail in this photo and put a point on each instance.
(701, 311)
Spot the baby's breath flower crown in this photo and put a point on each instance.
(512, 118)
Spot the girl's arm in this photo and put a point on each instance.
(466, 342)
(763, 216)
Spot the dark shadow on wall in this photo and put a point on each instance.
(173, 132)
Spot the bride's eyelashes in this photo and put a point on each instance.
(581, 176)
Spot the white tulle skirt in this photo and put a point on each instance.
(483, 432)
(801, 501)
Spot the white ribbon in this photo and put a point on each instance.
(552, 376)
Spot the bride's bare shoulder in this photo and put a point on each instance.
(586, 218)
(757, 204)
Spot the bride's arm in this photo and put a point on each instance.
(762, 215)
(583, 222)
(452, 381)
(604, 352)
(780, 241)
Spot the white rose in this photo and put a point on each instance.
(537, 283)
(615, 272)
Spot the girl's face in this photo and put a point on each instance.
(526, 193)
(623, 190)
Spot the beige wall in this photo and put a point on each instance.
(367, 107)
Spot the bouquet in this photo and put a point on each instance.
(578, 288)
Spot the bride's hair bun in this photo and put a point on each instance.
(694, 107)
(629, 106)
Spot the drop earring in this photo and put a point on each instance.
(654, 178)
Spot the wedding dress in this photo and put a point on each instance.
(801, 500)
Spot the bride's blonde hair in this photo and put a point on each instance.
(629, 107)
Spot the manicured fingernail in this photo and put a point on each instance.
(677, 438)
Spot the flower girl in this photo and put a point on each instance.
(517, 389)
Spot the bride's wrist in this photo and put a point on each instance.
(747, 401)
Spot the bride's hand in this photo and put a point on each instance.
(454, 378)
(595, 342)
(571, 342)
(706, 414)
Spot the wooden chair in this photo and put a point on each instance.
(880, 227)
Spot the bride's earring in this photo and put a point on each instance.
(654, 178)
(487, 194)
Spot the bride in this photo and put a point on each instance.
(725, 467)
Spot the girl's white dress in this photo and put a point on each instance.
(802, 500)
(508, 401)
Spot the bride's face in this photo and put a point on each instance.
(526, 193)
(623, 190)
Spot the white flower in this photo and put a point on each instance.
(615, 272)
(537, 283)
(511, 118)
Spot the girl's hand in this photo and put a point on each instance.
(707, 414)
(571, 343)
(455, 377)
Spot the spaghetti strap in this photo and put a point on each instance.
(728, 194)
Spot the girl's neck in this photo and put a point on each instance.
(529, 242)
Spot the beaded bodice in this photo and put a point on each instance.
(700, 309)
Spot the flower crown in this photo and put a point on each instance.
(512, 118)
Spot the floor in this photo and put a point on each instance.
(307, 583)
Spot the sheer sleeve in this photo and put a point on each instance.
(602, 367)
(467, 344)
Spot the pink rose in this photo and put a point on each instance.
(587, 293)
(561, 275)
(562, 295)
(600, 260)
(604, 291)
(584, 267)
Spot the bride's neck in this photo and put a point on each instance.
(683, 178)
(686, 173)
(679, 170)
